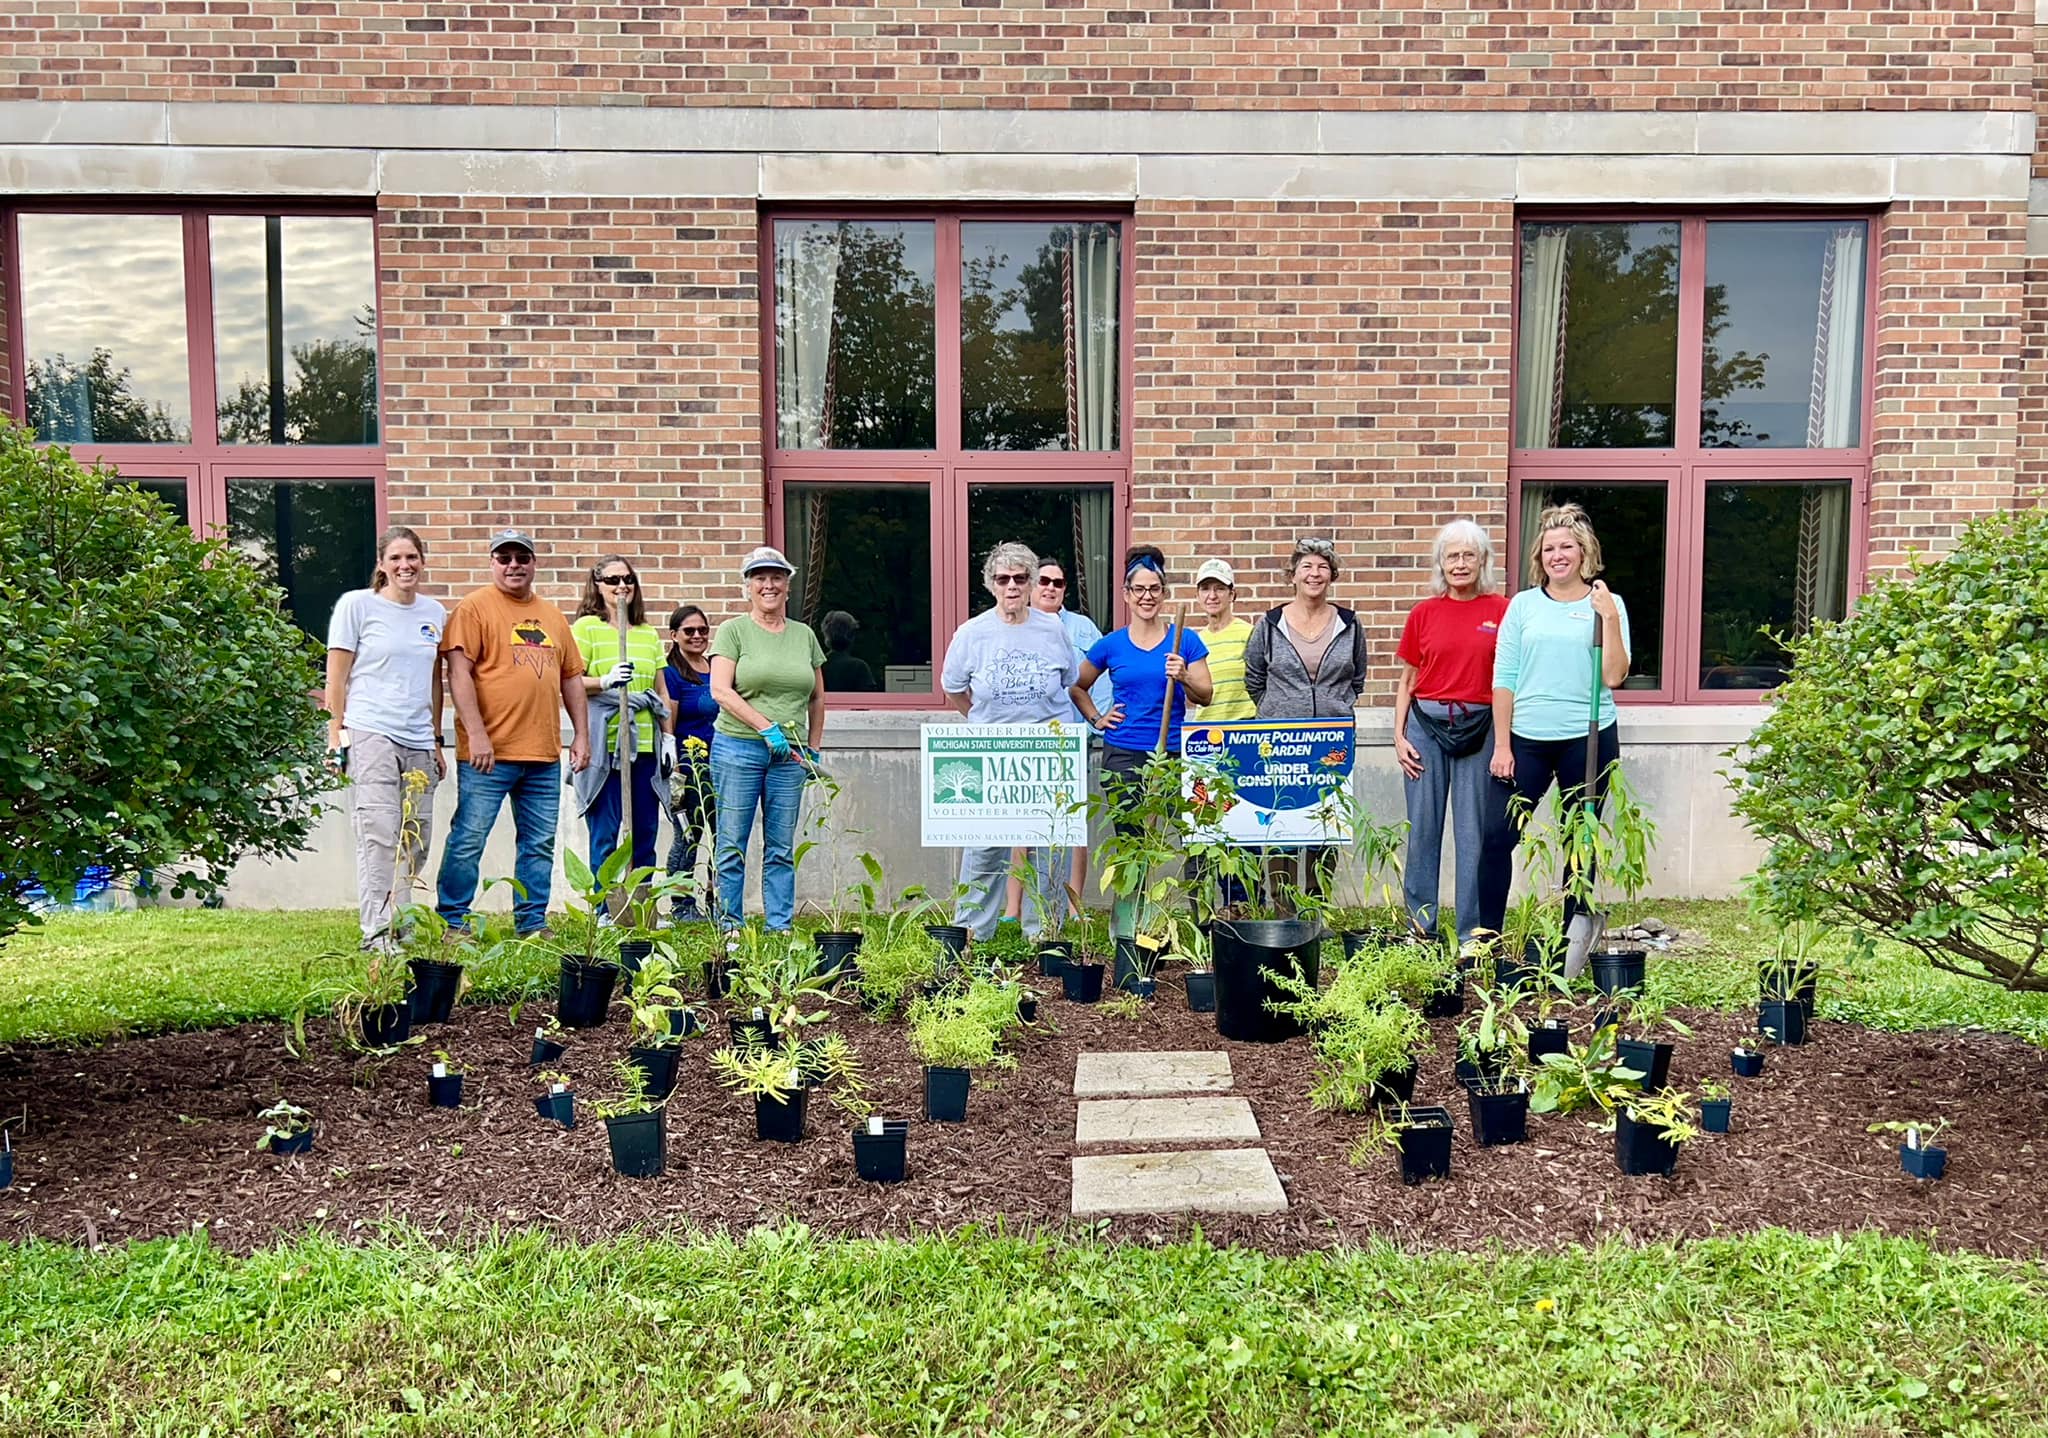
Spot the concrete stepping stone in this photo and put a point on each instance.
(1229, 1180)
(1164, 1120)
(1143, 1074)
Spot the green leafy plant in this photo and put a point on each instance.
(1384, 1133)
(1607, 849)
(1914, 1132)
(1361, 1035)
(827, 1064)
(1714, 1090)
(1492, 1035)
(283, 1120)
(651, 996)
(631, 1097)
(1588, 1075)
(951, 1031)
(1669, 1110)
(1120, 1005)
(892, 963)
(778, 974)
(448, 1064)
(1141, 864)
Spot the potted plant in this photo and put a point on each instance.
(436, 954)
(895, 960)
(843, 931)
(951, 1037)
(1531, 942)
(1918, 1154)
(655, 1043)
(288, 1129)
(780, 1080)
(1141, 868)
(444, 1081)
(1378, 917)
(584, 940)
(558, 1101)
(1650, 1129)
(1792, 973)
(1419, 1133)
(881, 1149)
(1589, 1075)
(1593, 846)
(1782, 1021)
(1715, 1106)
(550, 1042)
(1366, 1046)
(1746, 1059)
(635, 1124)
(1640, 1016)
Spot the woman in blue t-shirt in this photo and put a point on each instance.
(691, 804)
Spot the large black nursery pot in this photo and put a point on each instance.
(1053, 957)
(945, 1094)
(283, 1146)
(881, 1150)
(1783, 1020)
(1446, 1003)
(1243, 950)
(561, 1107)
(434, 985)
(1928, 1163)
(659, 1063)
(1639, 1148)
(780, 1120)
(1082, 982)
(633, 953)
(1714, 1114)
(639, 1143)
(1800, 983)
(1356, 939)
(836, 949)
(387, 1025)
(444, 1090)
(1747, 1063)
(1618, 971)
(1651, 1060)
(545, 1049)
(952, 938)
(1552, 1036)
(1498, 1117)
(1425, 1143)
(1396, 1085)
(586, 992)
(1201, 984)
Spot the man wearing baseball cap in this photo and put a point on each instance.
(1225, 634)
(513, 666)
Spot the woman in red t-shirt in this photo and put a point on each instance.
(1443, 725)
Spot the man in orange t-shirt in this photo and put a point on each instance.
(512, 669)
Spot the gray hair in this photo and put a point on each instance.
(1008, 556)
(1466, 532)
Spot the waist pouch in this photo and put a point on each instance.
(1460, 735)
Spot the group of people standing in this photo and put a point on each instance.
(724, 728)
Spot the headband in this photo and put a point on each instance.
(1144, 561)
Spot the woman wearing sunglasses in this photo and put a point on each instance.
(613, 588)
(692, 806)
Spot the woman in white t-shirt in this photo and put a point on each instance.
(384, 723)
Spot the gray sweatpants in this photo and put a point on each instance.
(1469, 788)
(985, 875)
(377, 767)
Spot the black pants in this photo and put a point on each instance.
(1539, 763)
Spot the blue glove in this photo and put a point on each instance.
(776, 740)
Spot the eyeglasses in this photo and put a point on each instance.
(694, 629)
(511, 556)
(1050, 583)
(1006, 580)
(1144, 591)
(616, 581)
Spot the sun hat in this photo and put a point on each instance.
(1217, 570)
(765, 557)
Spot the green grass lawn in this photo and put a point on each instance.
(991, 1335)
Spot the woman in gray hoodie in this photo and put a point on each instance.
(1306, 658)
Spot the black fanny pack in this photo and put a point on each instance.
(1462, 734)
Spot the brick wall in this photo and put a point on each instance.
(1725, 55)
(2032, 485)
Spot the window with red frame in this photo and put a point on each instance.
(224, 360)
(940, 382)
(1701, 386)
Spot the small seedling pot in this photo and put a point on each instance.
(881, 1157)
(434, 986)
(945, 1094)
(1782, 1018)
(1081, 982)
(717, 978)
(561, 1107)
(1396, 1085)
(1748, 1064)
(750, 1032)
(1618, 971)
(1640, 1149)
(1651, 1060)
(387, 1025)
(633, 953)
(1800, 985)
(1447, 1003)
(1499, 1118)
(781, 1122)
(1549, 1037)
(1053, 957)
(952, 938)
(444, 1091)
(6, 1168)
(1471, 1075)
(836, 949)
(301, 1142)
(684, 1021)
(1927, 1163)
(546, 1051)
(659, 1064)
(1714, 1114)
(1426, 1144)
(1027, 1007)
(585, 995)
(1201, 985)
(639, 1143)
(1511, 972)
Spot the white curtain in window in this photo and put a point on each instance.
(806, 282)
(1820, 582)
(1093, 252)
(1535, 499)
(805, 511)
(1092, 534)
(1832, 410)
(1539, 386)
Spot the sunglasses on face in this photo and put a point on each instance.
(509, 557)
(1006, 580)
(1051, 583)
(616, 581)
(694, 629)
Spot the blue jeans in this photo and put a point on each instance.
(746, 778)
(605, 815)
(535, 790)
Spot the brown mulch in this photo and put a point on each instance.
(152, 1136)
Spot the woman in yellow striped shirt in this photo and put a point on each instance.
(1225, 634)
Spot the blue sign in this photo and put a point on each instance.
(1292, 777)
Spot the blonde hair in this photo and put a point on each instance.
(1567, 517)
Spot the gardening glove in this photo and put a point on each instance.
(668, 755)
(620, 675)
(776, 740)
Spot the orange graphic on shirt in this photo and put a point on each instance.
(532, 648)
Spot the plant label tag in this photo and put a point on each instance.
(540, 1033)
(558, 1088)
(758, 1013)
(1912, 1138)
(875, 1125)
(440, 1070)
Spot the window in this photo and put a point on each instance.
(1699, 386)
(941, 382)
(226, 362)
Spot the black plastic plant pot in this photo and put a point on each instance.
(1714, 1113)
(633, 953)
(1081, 982)
(1470, 1074)
(1928, 1163)
(387, 1025)
(1201, 991)
(945, 1094)
(1549, 1037)
(952, 938)
(1499, 1118)
(1509, 973)
(778, 1120)
(1782, 1020)
(1425, 1141)
(1777, 981)
(750, 1032)
(1245, 953)
(718, 978)
(1356, 939)
(7, 1168)
(1027, 1008)
(284, 1146)
(1747, 1063)
(561, 1107)
(639, 1143)
(684, 1021)
(1127, 973)
(1053, 957)
(434, 985)
(546, 1051)
(836, 949)
(1618, 971)
(1395, 1085)
(445, 1091)
(882, 1157)
(586, 993)
(1640, 1149)
(1445, 1003)
(1651, 1060)
(659, 1064)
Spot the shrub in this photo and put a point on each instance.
(158, 706)
(1901, 779)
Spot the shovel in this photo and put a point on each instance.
(1586, 927)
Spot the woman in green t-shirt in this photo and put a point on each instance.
(613, 585)
(767, 676)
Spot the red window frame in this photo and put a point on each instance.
(948, 470)
(1686, 468)
(205, 466)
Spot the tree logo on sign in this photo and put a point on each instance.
(957, 781)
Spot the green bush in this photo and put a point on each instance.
(156, 705)
(1901, 778)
